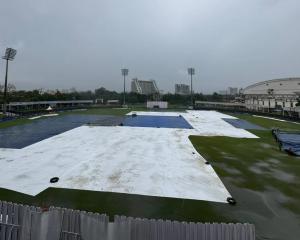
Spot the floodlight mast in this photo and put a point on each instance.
(191, 72)
(124, 72)
(10, 54)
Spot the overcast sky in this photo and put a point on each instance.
(83, 44)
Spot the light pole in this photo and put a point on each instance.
(124, 72)
(191, 71)
(9, 56)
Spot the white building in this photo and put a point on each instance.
(223, 92)
(230, 91)
(182, 89)
(157, 104)
(144, 87)
(278, 94)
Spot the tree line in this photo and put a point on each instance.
(99, 93)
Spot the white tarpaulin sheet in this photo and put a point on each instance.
(134, 160)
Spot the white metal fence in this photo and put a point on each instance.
(21, 222)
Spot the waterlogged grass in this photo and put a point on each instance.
(264, 181)
(255, 164)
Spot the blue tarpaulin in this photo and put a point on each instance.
(157, 121)
(243, 124)
(23, 135)
(288, 141)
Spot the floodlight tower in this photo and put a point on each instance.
(191, 72)
(10, 54)
(124, 72)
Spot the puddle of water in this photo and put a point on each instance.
(283, 176)
(266, 145)
(257, 170)
(273, 160)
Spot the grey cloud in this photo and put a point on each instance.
(83, 44)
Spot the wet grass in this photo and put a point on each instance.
(122, 204)
(264, 181)
(15, 122)
(247, 163)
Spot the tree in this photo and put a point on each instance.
(106, 94)
(11, 87)
(216, 97)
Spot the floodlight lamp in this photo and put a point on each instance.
(191, 71)
(124, 71)
(10, 54)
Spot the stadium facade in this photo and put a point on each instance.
(277, 94)
(144, 87)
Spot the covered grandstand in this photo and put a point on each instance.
(274, 95)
